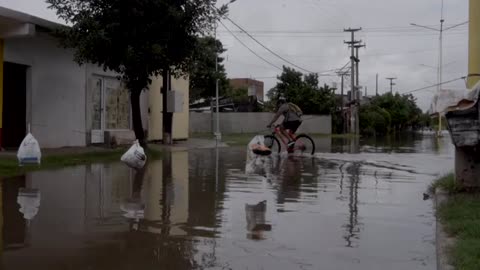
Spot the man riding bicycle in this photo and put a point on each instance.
(292, 119)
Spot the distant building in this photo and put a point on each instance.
(255, 88)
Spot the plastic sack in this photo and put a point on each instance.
(260, 163)
(29, 151)
(257, 146)
(135, 156)
(29, 201)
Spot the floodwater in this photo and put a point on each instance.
(214, 209)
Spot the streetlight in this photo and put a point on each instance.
(218, 134)
(440, 58)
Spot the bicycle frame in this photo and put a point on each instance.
(278, 133)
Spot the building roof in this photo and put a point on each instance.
(12, 17)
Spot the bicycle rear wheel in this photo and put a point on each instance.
(272, 143)
(304, 145)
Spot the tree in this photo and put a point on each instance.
(137, 39)
(203, 74)
(304, 91)
(390, 113)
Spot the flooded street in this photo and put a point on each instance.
(214, 209)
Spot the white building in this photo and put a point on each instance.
(65, 104)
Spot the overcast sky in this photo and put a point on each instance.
(309, 33)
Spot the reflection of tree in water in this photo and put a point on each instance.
(353, 226)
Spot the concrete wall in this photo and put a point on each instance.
(57, 91)
(155, 103)
(254, 122)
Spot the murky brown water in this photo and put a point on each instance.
(201, 210)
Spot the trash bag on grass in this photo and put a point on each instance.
(29, 151)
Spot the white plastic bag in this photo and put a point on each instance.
(29, 151)
(29, 201)
(135, 156)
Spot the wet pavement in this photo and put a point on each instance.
(216, 209)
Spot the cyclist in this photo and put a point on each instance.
(292, 119)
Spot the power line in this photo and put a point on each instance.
(434, 85)
(339, 31)
(252, 51)
(265, 47)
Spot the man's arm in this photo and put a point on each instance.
(280, 111)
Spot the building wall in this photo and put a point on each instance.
(122, 136)
(58, 107)
(55, 90)
(155, 101)
(245, 83)
(231, 123)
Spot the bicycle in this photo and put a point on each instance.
(303, 143)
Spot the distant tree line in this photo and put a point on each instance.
(391, 113)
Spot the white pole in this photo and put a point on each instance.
(218, 135)
(440, 69)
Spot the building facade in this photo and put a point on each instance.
(63, 104)
(255, 88)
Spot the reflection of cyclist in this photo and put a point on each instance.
(292, 119)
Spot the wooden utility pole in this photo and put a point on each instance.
(376, 86)
(391, 84)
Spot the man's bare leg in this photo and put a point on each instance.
(286, 134)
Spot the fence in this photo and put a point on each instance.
(233, 123)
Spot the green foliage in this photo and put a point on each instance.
(461, 217)
(390, 113)
(304, 91)
(238, 95)
(202, 70)
(374, 120)
(137, 39)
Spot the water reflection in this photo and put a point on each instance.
(353, 229)
(213, 209)
(256, 220)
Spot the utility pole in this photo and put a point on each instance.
(391, 84)
(358, 96)
(376, 86)
(218, 134)
(440, 56)
(342, 102)
(353, 107)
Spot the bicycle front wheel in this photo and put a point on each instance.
(304, 145)
(272, 143)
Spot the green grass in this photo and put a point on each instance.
(9, 165)
(446, 183)
(461, 218)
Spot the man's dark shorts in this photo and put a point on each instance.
(292, 125)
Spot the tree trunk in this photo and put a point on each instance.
(167, 117)
(137, 117)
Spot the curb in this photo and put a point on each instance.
(443, 242)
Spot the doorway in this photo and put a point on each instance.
(14, 105)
